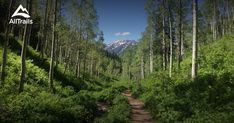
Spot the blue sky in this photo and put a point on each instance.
(121, 19)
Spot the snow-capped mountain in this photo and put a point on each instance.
(118, 46)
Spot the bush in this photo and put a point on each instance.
(108, 94)
(118, 113)
(47, 108)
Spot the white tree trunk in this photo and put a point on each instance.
(151, 53)
(51, 72)
(194, 52)
(171, 48)
(142, 67)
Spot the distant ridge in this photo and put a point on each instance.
(119, 46)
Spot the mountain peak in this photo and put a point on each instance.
(119, 46)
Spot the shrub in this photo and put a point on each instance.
(118, 113)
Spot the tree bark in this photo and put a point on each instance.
(85, 57)
(77, 63)
(182, 43)
(51, 72)
(228, 23)
(26, 38)
(180, 34)
(164, 45)
(142, 67)
(151, 53)
(194, 52)
(45, 28)
(214, 21)
(23, 59)
(171, 48)
(4, 53)
(60, 54)
(91, 66)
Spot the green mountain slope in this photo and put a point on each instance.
(37, 103)
(74, 99)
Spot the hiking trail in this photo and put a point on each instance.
(138, 113)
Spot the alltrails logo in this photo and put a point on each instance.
(23, 13)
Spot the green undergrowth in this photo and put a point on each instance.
(35, 58)
(37, 103)
(118, 112)
(207, 99)
(73, 102)
(118, 108)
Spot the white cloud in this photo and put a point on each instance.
(126, 33)
(122, 33)
(118, 34)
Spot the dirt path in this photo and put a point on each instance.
(139, 114)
